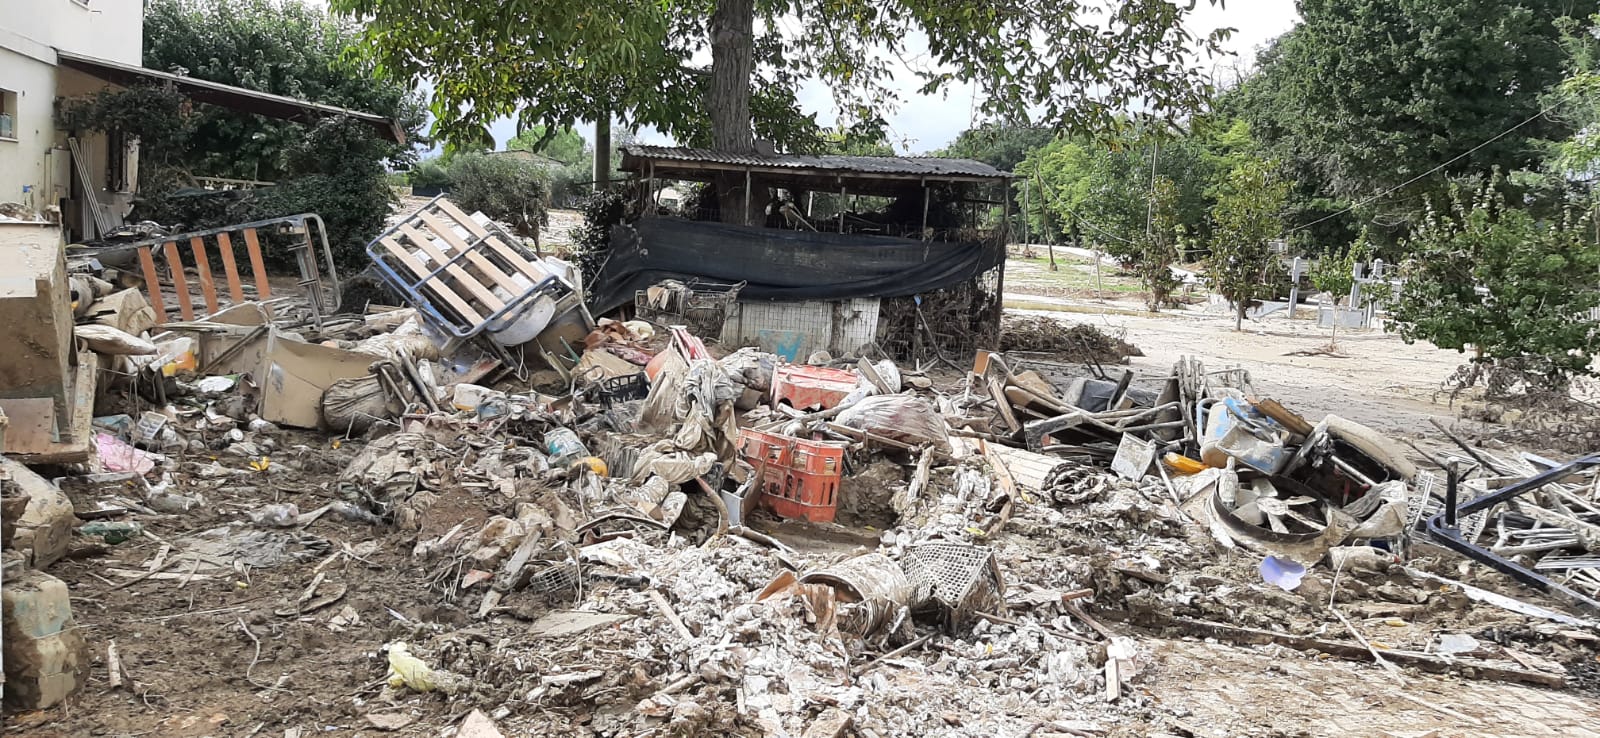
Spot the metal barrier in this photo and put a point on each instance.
(322, 300)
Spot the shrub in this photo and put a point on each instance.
(502, 187)
(1515, 288)
(429, 174)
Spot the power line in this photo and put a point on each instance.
(1430, 172)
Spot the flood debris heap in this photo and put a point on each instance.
(485, 503)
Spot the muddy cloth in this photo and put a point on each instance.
(781, 265)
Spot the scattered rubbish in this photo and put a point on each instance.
(1451, 644)
(1282, 573)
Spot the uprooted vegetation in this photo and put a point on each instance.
(1079, 342)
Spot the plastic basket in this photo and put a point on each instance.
(622, 389)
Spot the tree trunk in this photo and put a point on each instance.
(602, 152)
(1238, 316)
(728, 100)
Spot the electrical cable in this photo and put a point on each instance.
(1434, 170)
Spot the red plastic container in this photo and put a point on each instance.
(813, 497)
(801, 478)
(811, 387)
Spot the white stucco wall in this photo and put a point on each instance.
(23, 158)
(108, 29)
(31, 31)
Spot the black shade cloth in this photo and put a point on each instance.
(781, 265)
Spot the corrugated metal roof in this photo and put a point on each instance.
(919, 166)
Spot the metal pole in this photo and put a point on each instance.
(747, 197)
(924, 233)
(843, 202)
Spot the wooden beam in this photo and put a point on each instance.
(230, 269)
(203, 266)
(252, 246)
(438, 288)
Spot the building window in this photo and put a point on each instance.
(8, 114)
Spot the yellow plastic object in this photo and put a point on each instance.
(1182, 464)
(596, 465)
(407, 670)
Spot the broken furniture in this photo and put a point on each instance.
(47, 387)
(1445, 526)
(467, 276)
(305, 232)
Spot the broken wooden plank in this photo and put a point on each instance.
(463, 279)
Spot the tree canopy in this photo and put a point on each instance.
(1066, 65)
(285, 47)
(1366, 95)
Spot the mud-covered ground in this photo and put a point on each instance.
(234, 651)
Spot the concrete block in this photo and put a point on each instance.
(45, 529)
(46, 658)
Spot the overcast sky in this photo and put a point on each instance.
(927, 122)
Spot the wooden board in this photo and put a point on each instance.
(505, 252)
(253, 245)
(463, 279)
(484, 264)
(436, 287)
(229, 268)
(180, 283)
(203, 266)
(152, 284)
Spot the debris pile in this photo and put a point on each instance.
(557, 525)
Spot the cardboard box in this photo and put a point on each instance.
(294, 375)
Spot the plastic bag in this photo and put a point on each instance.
(904, 418)
(103, 339)
(351, 405)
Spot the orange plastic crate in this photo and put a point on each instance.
(802, 477)
(771, 451)
(813, 497)
(817, 457)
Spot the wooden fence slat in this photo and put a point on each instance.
(203, 266)
(505, 252)
(152, 284)
(478, 260)
(229, 268)
(179, 281)
(253, 245)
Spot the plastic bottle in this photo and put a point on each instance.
(564, 447)
(112, 531)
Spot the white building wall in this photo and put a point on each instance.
(107, 29)
(794, 330)
(34, 162)
(24, 158)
